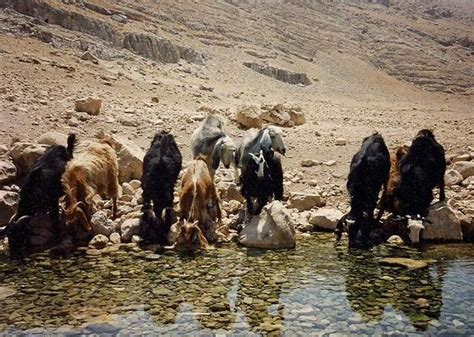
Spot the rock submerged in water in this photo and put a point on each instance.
(272, 229)
(404, 262)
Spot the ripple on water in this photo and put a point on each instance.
(316, 287)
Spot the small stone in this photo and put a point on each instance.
(330, 163)
(309, 163)
(136, 184)
(127, 189)
(155, 99)
(8, 205)
(340, 142)
(88, 56)
(136, 239)
(465, 168)
(304, 201)
(99, 241)
(119, 18)
(115, 238)
(326, 218)
(462, 157)
(152, 257)
(395, 240)
(7, 172)
(89, 105)
(452, 177)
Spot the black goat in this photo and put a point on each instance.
(161, 167)
(421, 170)
(40, 195)
(369, 171)
(262, 179)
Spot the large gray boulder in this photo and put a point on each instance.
(24, 155)
(272, 229)
(442, 224)
(130, 158)
(249, 117)
(8, 205)
(325, 218)
(53, 138)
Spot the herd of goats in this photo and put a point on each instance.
(64, 180)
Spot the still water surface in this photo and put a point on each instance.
(316, 289)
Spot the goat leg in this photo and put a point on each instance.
(114, 208)
(442, 193)
(383, 203)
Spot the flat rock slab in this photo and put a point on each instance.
(404, 262)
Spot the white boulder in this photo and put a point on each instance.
(272, 229)
(325, 218)
(442, 224)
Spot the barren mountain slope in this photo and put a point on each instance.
(393, 69)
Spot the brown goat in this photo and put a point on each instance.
(198, 194)
(93, 171)
(189, 235)
(388, 201)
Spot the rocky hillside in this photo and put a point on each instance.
(427, 43)
(349, 67)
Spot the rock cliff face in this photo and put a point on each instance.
(146, 45)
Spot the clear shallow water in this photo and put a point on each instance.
(316, 289)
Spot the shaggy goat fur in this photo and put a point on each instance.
(211, 141)
(94, 171)
(369, 171)
(262, 179)
(161, 167)
(388, 201)
(198, 195)
(421, 170)
(268, 138)
(40, 195)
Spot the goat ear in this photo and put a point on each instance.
(216, 154)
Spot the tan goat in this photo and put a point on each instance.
(92, 171)
(198, 194)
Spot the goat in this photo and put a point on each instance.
(262, 179)
(189, 234)
(161, 167)
(388, 201)
(211, 141)
(198, 194)
(421, 170)
(369, 171)
(93, 171)
(40, 195)
(268, 138)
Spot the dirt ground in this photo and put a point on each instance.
(392, 70)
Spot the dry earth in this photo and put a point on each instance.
(392, 69)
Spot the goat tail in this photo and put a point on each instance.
(71, 144)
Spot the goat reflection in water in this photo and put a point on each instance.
(372, 288)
